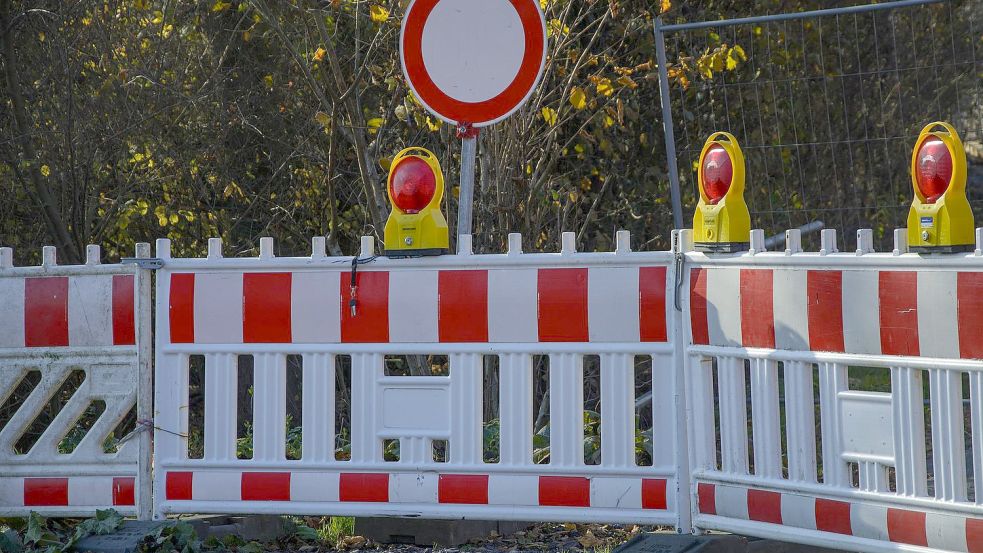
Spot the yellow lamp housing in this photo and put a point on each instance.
(940, 219)
(722, 222)
(416, 226)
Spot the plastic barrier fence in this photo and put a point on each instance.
(837, 398)
(74, 359)
(272, 317)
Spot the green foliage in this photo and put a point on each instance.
(57, 536)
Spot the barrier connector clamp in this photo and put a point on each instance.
(149, 263)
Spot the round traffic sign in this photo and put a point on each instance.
(473, 61)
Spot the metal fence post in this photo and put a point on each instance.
(144, 339)
(665, 95)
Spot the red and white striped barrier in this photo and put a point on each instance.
(859, 520)
(74, 346)
(872, 311)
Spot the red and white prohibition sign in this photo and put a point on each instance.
(473, 61)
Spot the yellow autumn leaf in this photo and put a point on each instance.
(625, 80)
(604, 86)
(549, 115)
(173, 218)
(268, 81)
(322, 118)
(378, 13)
(434, 125)
(664, 6)
(374, 124)
(608, 121)
(219, 6)
(319, 54)
(385, 163)
(161, 214)
(45, 170)
(578, 98)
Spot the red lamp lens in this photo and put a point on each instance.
(933, 169)
(718, 172)
(412, 185)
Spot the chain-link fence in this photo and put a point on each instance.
(827, 106)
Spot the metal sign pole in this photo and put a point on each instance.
(465, 199)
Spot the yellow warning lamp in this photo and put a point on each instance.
(416, 225)
(940, 219)
(722, 223)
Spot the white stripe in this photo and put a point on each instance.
(314, 486)
(612, 304)
(946, 532)
(724, 306)
(11, 312)
(513, 490)
(937, 320)
(413, 306)
(790, 293)
(216, 486)
(861, 312)
(731, 502)
(90, 490)
(413, 487)
(315, 307)
(616, 493)
(12, 492)
(512, 306)
(798, 511)
(90, 310)
(869, 521)
(218, 308)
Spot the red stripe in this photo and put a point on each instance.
(824, 291)
(562, 305)
(182, 308)
(969, 298)
(974, 535)
(123, 491)
(898, 293)
(698, 306)
(177, 486)
(564, 491)
(652, 304)
(371, 320)
(463, 488)
(123, 311)
(46, 311)
(833, 516)
(757, 308)
(764, 506)
(654, 494)
(46, 492)
(364, 487)
(904, 526)
(462, 303)
(706, 497)
(266, 308)
(265, 486)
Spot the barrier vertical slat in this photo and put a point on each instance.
(800, 421)
(909, 431)
(663, 412)
(170, 414)
(765, 419)
(319, 407)
(270, 407)
(466, 408)
(832, 381)
(704, 425)
(515, 374)
(948, 435)
(976, 416)
(617, 410)
(221, 371)
(566, 410)
(733, 415)
(366, 446)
